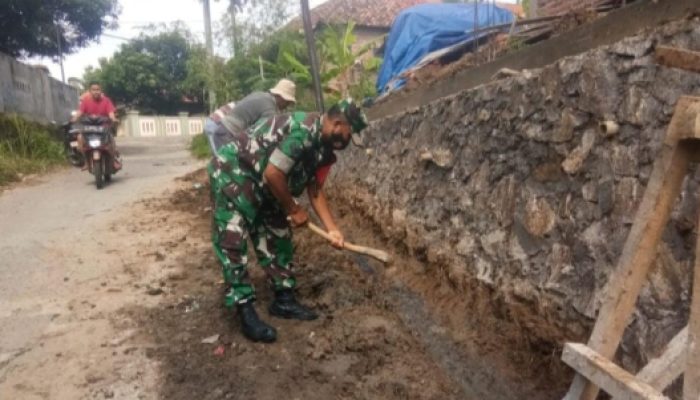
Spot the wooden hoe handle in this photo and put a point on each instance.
(380, 255)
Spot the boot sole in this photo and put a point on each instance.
(260, 340)
(287, 316)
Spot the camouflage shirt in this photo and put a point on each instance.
(290, 142)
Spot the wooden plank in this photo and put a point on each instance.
(662, 371)
(639, 251)
(691, 380)
(611, 378)
(678, 58)
(684, 120)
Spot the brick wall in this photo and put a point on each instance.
(554, 7)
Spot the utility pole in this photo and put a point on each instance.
(232, 10)
(210, 51)
(311, 45)
(60, 53)
(476, 31)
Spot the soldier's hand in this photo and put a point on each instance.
(298, 217)
(338, 239)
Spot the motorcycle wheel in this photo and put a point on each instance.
(108, 168)
(97, 169)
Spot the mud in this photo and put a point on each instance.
(384, 332)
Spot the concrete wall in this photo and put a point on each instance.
(365, 35)
(510, 186)
(136, 125)
(32, 93)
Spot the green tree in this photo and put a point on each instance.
(155, 73)
(203, 73)
(251, 23)
(33, 27)
(268, 48)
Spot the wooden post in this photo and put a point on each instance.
(607, 375)
(533, 12)
(662, 371)
(691, 380)
(639, 252)
(678, 58)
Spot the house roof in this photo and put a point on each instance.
(369, 13)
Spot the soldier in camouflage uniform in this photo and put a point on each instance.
(254, 180)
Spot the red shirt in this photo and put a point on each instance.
(104, 106)
(322, 174)
(323, 171)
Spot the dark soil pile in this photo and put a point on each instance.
(376, 337)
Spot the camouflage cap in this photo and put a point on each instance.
(355, 117)
(353, 114)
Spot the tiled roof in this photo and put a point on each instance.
(371, 13)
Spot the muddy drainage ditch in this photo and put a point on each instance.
(383, 334)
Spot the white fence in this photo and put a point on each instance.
(136, 125)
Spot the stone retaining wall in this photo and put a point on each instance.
(513, 185)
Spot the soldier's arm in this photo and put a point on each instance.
(276, 180)
(318, 200)
(283, 158)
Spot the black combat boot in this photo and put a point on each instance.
(286, 306)
(253, 328)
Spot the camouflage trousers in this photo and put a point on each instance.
(240, 211)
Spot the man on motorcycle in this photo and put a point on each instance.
(98, 104)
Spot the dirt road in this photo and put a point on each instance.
(61, 273)
(115, 294)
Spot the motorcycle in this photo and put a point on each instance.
(70, 143)
(97, 143)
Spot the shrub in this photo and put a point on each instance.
(26, 147)
(199, 147)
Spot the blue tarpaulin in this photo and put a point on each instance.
(422, 29)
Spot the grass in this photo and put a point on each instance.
(199, 147)
(26, 148)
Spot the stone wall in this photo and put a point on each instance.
(513, 185)
(32, 93)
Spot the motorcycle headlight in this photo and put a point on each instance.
(95, 142)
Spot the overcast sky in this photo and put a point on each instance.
(136, 13)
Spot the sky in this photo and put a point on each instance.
(136, 13)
